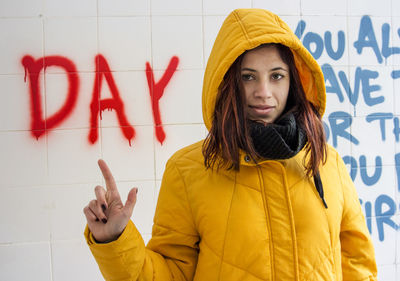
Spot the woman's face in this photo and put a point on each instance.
(265, 81)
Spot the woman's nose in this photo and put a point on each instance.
(264, 90)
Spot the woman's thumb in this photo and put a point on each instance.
(131, 201)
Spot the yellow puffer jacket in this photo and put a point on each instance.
(264, 222)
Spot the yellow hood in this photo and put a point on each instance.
(246, 29)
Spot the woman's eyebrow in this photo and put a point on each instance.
(279, 68)
(273, 69)
(249, 69)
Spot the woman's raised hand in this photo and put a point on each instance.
(106, 216)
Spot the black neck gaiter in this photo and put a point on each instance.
(281, 140)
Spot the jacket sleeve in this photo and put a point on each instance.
(171, 253)
(357, 250)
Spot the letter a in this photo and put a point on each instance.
(97, 105)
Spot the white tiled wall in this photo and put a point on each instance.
(46, 182)
(125, 42)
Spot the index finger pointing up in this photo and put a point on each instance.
(108, 177)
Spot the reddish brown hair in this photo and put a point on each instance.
(229, 131)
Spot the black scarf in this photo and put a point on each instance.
(281, 140)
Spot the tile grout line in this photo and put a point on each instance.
(301, 10)
(203, 33)
(352, 107)
(100, 127)
(46, 136)
(51, 258)
(43, 19)
(394, 114)
(154, 136)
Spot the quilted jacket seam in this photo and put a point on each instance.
(174, 230)
(228, 263)
(241, 26)
(187, 198)
(321, 258)
(341, 185)
(212, 250)
(292, 224)
(267, 216)
(226, 229)
(225, 175)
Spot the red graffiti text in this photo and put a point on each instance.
(41, 125)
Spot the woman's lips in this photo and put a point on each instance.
(262, 109)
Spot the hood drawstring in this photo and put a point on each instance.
(319, 187)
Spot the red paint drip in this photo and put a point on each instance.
(115, 103)
(25, 74)
(157, 91)
(40, 125)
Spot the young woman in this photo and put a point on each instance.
(263, 197)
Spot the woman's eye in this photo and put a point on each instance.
(247, 77)
(277, 76)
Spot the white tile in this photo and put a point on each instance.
(176, 7)
(22, 154)
(384, 187)
(20, 37)
(318, 31)
(344, 149)
(315, 7)
(181, 102)
(211, 24)
(67, 255)
(338, 132)
(25, 262)
(134, 92)
(143, 213)
(125, 42)
(397, 271)
(337, 88)
(205, 130)
(124, 8)
(398, 248)
(59, 91)
(180, 36)
(396, 92)
(129, 162)
(291, 21)
(26, 208)
(395, 39)
(224, 7)
(65, 208)
(285, 7)
(375, 78)
(177, 136)
(146, 238)
(157, 190)
(387, 272)
(385, 251)
(73, 39)
(21, 8)
(395, 8)
(72, 158)
(15, 108)
(57, 8)
(369, 135)
(370, 51)
(374, 8)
